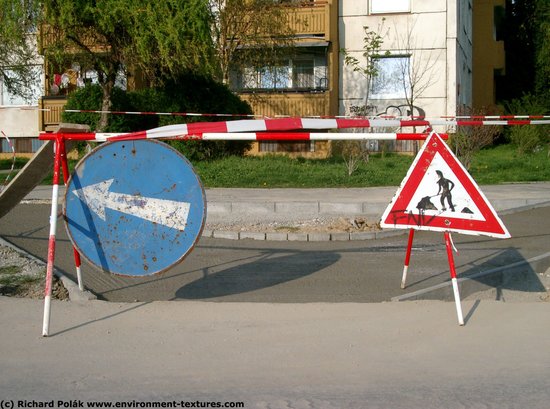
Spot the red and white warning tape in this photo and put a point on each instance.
(161, 113)
(446, 118)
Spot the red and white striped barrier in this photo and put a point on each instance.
(258, 136)
(314, 136)
(59, 148)
(199, 129)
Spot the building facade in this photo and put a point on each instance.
(436, 57)
(488, 51)
(19, 118)
(305, 83)
(424, 63)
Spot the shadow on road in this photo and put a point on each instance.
(267, 271)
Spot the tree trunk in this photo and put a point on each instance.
(105, 106)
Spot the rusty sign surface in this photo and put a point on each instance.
(134, 208)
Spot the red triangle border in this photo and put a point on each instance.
(396, 216)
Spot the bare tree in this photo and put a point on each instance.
(356, 151)
(249, 32)
(19, 68)
(417, 73)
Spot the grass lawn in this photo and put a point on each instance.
(500, 164)
(277, 171)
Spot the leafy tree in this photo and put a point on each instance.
(160, 39)
(18, 46)
(249, 33)
(356, 151)
(527, 44)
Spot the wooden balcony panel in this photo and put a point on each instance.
(51, 109)
(272, 105)
(310, 20)
(48, 37)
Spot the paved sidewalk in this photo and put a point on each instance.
(232, 206)
(273, 356)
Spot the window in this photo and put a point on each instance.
(390, 6)
(306, 71)
(392, 81)
(499, 21)
(303, 74)
(274, 77)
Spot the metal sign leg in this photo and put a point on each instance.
(407, 258)
(453, 277)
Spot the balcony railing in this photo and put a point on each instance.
(291, 104)
(311, 19)
(49, 36)
(51, 109)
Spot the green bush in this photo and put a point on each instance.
(89, 98)
(526, 138)
(187, 93)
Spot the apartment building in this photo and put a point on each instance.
(424, 62)
(436, 55)
(488, 51)
(305, 83)
(19, 117)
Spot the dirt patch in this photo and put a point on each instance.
(21, 276)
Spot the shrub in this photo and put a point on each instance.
(526, 138)
(469, 140)
(187, 93)
(530, 137)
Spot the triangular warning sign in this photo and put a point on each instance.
(438, 194)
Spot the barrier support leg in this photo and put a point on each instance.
(407, 258)
(453, 278)
(51, 241)
(76, 254)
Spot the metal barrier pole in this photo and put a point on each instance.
(59, 146)
(76, 254)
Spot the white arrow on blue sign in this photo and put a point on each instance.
(134, 208)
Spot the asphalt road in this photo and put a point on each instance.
(297, 272)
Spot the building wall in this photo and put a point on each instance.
(19, 118)
(488, 52)
(437, 36)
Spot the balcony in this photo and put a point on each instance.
(49, 36)
(51, 109)
(291, 104)
(311, 19)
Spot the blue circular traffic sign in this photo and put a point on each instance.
(134, 208)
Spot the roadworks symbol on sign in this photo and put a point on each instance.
(438, 194)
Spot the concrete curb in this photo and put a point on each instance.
(343, 236)
(298, 236)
